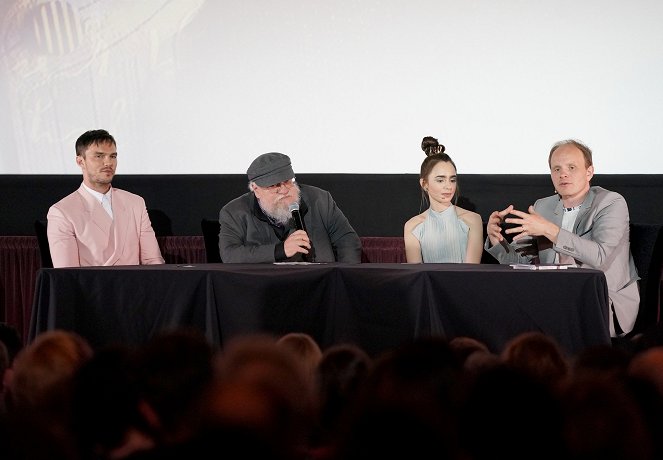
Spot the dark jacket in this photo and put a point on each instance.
(247, 236)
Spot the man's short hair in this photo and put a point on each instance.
(586, 151)
(88, 138)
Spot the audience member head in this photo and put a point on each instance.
(509, 414)
(263, 391)
(408, 404)
(604, 360)
(648, 365)
(645, 382)
(415, 372)
(604, 421)
(651, 337)
(107, 420)
(342, 370)
(305, 348)
(174, 370)
(463, 347)
(473, 355)
(481, 361)
(40, 391)
(44, 369)
(539, 356)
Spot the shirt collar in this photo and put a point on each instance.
(99, 196)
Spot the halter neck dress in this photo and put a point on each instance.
(442, 236)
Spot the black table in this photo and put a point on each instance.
(377, 306)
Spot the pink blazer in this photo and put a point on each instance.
(81, 233)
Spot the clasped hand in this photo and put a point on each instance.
(297, 241)
(526, 224)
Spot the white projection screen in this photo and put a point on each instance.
(342, 86)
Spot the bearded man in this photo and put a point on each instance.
(279, 220)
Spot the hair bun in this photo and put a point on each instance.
(430, 146)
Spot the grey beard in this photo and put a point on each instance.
(280, 213)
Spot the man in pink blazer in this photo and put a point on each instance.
(97, 224)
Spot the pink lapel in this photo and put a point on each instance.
(95, 213)
(101, 228)
(121, 225)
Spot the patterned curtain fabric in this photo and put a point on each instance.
(382, 249)
(19, 262)
(182, 249)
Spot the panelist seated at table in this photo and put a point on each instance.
(444, 233)
(581, 224)
(279, 220)
(97, 224)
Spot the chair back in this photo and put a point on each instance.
(647, 250)
(211, 229)
(161, 223)
(42, 241)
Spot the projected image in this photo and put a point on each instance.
(201, 87)
(75, 65)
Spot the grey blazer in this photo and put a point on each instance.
(600, 240)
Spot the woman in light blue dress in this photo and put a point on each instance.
(444, 233)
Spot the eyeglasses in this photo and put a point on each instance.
(276, 188)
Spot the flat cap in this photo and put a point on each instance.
(270, 168)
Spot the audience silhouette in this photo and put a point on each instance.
(285, 398)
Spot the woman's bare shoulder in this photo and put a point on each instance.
(416, 220)
(469, 217)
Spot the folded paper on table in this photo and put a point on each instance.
(542, 266)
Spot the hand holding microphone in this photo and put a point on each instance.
(298, 241)
(297, 216)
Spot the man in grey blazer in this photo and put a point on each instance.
(279, 220)
(581, 224)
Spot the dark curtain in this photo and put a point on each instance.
(19, 262)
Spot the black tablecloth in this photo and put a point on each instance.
(377, 306)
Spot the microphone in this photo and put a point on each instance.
(299, 225)
(296, 216)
